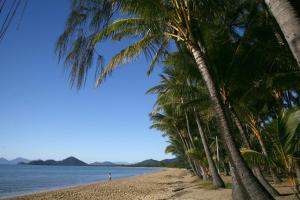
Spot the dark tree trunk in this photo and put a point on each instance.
(248, 180)
(217, 180)
(226, 171)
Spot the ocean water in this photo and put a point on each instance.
(24, 179)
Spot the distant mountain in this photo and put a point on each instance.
(70, 161)
(122, 163)
(174, 162)
(4, 161)
(19, 160)
(169, 160)
(106, 163)
(149, 162)
(15, 161)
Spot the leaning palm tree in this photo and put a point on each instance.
(178, 83)
(91, 22)
(173, 127)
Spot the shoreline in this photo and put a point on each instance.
(143, 186)
(168, 183)
(55, 189)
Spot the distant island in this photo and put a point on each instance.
(174, 162)
(106, 163)
(15, 161)
(72, 161)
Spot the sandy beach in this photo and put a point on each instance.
(166, 184)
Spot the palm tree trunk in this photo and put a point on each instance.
(189, 129)
(256, 169)
(186, 147)
(264, 182)
(203, 172)
(252, 185)
(192, 166)
(217, 180)
(241, 129)
(199, 169)
(289, 23)
(297, 174)
(238, 191)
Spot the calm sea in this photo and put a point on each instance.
(24, 179)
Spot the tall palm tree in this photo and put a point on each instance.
(173, 126)
(179, 20)
(177, 83)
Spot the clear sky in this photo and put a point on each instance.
(41, 117)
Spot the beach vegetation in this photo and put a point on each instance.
(228, 97)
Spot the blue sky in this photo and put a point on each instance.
(41, 117)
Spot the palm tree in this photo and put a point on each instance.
(177, 120)
(177, 83)
(274, 70)
(284, 133)
(217, 181)
(179, 20)
(173, 127)
(289, 22)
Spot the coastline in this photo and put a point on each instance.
(166, 184)
(66, 187)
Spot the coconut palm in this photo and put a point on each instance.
(169, 104)
(173, 126)
(261, 73)
(178, 83)
(179, 20)
(284, 133)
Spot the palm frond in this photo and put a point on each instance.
(255, 158)
(126, 55)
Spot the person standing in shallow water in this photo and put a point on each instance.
(109, 176)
